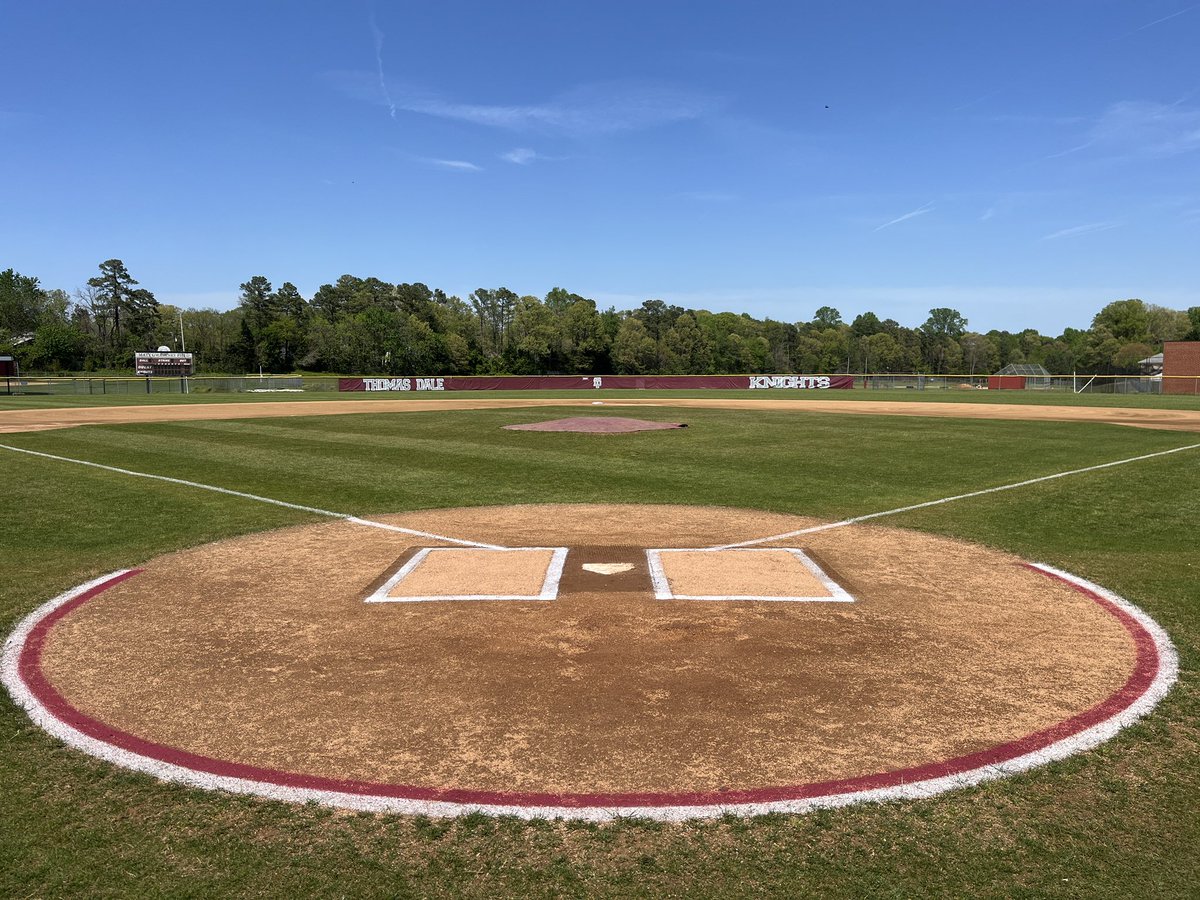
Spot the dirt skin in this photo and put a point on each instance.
(18, 420)
(261, 650)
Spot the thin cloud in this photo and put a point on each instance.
(919, 211)
(989, 213)
(593, 109)
(1078, 230)
(460, 165)
(1140, 128)
(1173, 15)
(1069, 151)
(521, 156)
(379, 36)
(978, 99)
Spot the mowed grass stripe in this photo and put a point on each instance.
(432, 459)
(1119, 821)
(77, 522)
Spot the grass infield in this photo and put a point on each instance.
(1117, 820)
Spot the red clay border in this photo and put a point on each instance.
(29, 666)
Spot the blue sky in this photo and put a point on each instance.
(1024, 162)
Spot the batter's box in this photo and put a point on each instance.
(776, 573)
(475, 573)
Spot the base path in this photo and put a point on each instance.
(22, 420)
(584, 676)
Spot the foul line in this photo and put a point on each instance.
(346, 517)
(991, 490)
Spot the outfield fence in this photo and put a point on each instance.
(296, 384)
(1076, 384)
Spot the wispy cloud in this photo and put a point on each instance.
(1078, 230)
(460, 165)
(593, 109)
(521, 156)
(1173, 15)
(978, 100)
(989, 213)
(383, 86)
(1032, 119)
(919, 211)
(1139, 128)
(1076, 149)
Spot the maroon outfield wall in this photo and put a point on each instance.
(590, 382)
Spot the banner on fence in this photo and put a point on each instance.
(598, 382)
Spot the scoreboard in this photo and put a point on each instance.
(176, 364)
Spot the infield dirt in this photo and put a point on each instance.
(260, 650)
(22, 420)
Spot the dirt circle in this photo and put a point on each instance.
(296, 664)
(597, 425)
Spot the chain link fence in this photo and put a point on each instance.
(295, 384)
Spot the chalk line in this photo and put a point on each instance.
(1071, 737)
(992, 490)
(346, 517)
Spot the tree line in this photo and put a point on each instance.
(369, 326)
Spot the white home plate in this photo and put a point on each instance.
(607, 568)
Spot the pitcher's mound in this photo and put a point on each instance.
(597, 425)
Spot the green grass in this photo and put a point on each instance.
(1118, 821)
(1039, 398)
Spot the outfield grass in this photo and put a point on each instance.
(1037, 398)
(1120, 820)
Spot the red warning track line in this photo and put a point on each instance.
(1146, 667)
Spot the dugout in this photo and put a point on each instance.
(1181, 367)
(1018, 377)
(10, 372)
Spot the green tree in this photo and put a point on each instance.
(532, 336)
(866, 324)
(634, 351)
(257, 303)
(827, 317)
(1166, 324)
(657, 316)
(1126, 320)
(686, 347)
(1193, 315)
(1128, 356)
(55, 346)
(22, 302)
(944, 322)
(940, 334)
(288, 301)
(882, 353)
(979, 354)
(581, 339)
(133, 311)
(494, 310)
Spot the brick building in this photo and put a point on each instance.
(1181, 358)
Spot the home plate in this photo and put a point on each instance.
(607, 568)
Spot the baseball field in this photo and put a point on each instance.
(863, 646)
